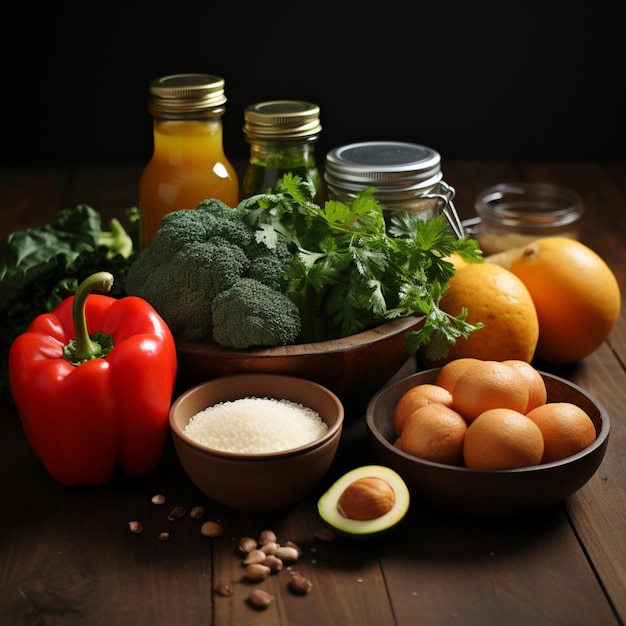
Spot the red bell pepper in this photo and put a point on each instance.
(92, 382)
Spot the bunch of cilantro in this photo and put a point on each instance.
(41, 266)
(354, 270)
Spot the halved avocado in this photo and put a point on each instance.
(392, 494)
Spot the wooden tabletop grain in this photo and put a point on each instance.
(67, 555)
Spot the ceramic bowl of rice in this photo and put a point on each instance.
(256, 442)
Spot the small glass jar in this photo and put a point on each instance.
(406, 176)
(509, 215)
(188, 163)
(282, 136)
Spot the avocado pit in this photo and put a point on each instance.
(366, 498)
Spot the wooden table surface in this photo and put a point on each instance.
(67, 556)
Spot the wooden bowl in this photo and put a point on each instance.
(353, 367)
(487, 492)
(265, 481)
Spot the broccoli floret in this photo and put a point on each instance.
(212, 218)
(222, 221)
(181, 286)
(268, 265)
(252, 314)
(176, 231)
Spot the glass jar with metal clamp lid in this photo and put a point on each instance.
(406, 176)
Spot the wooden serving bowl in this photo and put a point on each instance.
(487, 492)
(352, 367)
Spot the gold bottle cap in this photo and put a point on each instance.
(186, 93)
(282, 119)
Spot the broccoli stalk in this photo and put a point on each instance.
(117, 240)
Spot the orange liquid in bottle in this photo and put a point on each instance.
(188, 165)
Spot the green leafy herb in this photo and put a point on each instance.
(353, 271)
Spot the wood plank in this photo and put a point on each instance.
(473, 571)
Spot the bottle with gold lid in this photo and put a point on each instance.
(188, 163)
(282, 136)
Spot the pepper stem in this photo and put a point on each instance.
(86, 347)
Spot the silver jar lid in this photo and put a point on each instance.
(383, 164)
(399, 171)
(282, 119)
(185, 93)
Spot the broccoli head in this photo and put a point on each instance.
(196, 256)
(181, 286)
(251, 313)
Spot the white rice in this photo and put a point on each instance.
(255, 425)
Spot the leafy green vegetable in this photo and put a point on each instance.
(354, 271)
(40, 267)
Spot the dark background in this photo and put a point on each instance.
(470, 79)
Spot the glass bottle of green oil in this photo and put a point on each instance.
(282, 136)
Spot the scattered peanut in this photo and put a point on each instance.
(176, 513)
(247, 544)
(266, 536)
(255, 556)
(257, 571)
(300, 585)
(165, 536)
(273, 562)
(211, 529)
(287, 554)
(135, 527)
(197, 512)
(270, 547)
(223, 589)
(260, 599)
(159, 499)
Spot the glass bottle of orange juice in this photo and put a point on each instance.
(188, 163)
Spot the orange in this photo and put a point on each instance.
(537, 392)
(489, 385)
(451, 371)
(496, 297)
(566, 429)
(436, 433)
(456, 259)
(576, 295)
(417, 397)
(502, 439)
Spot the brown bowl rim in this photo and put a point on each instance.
(331, 432)
(365, 337)
(605, 427)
